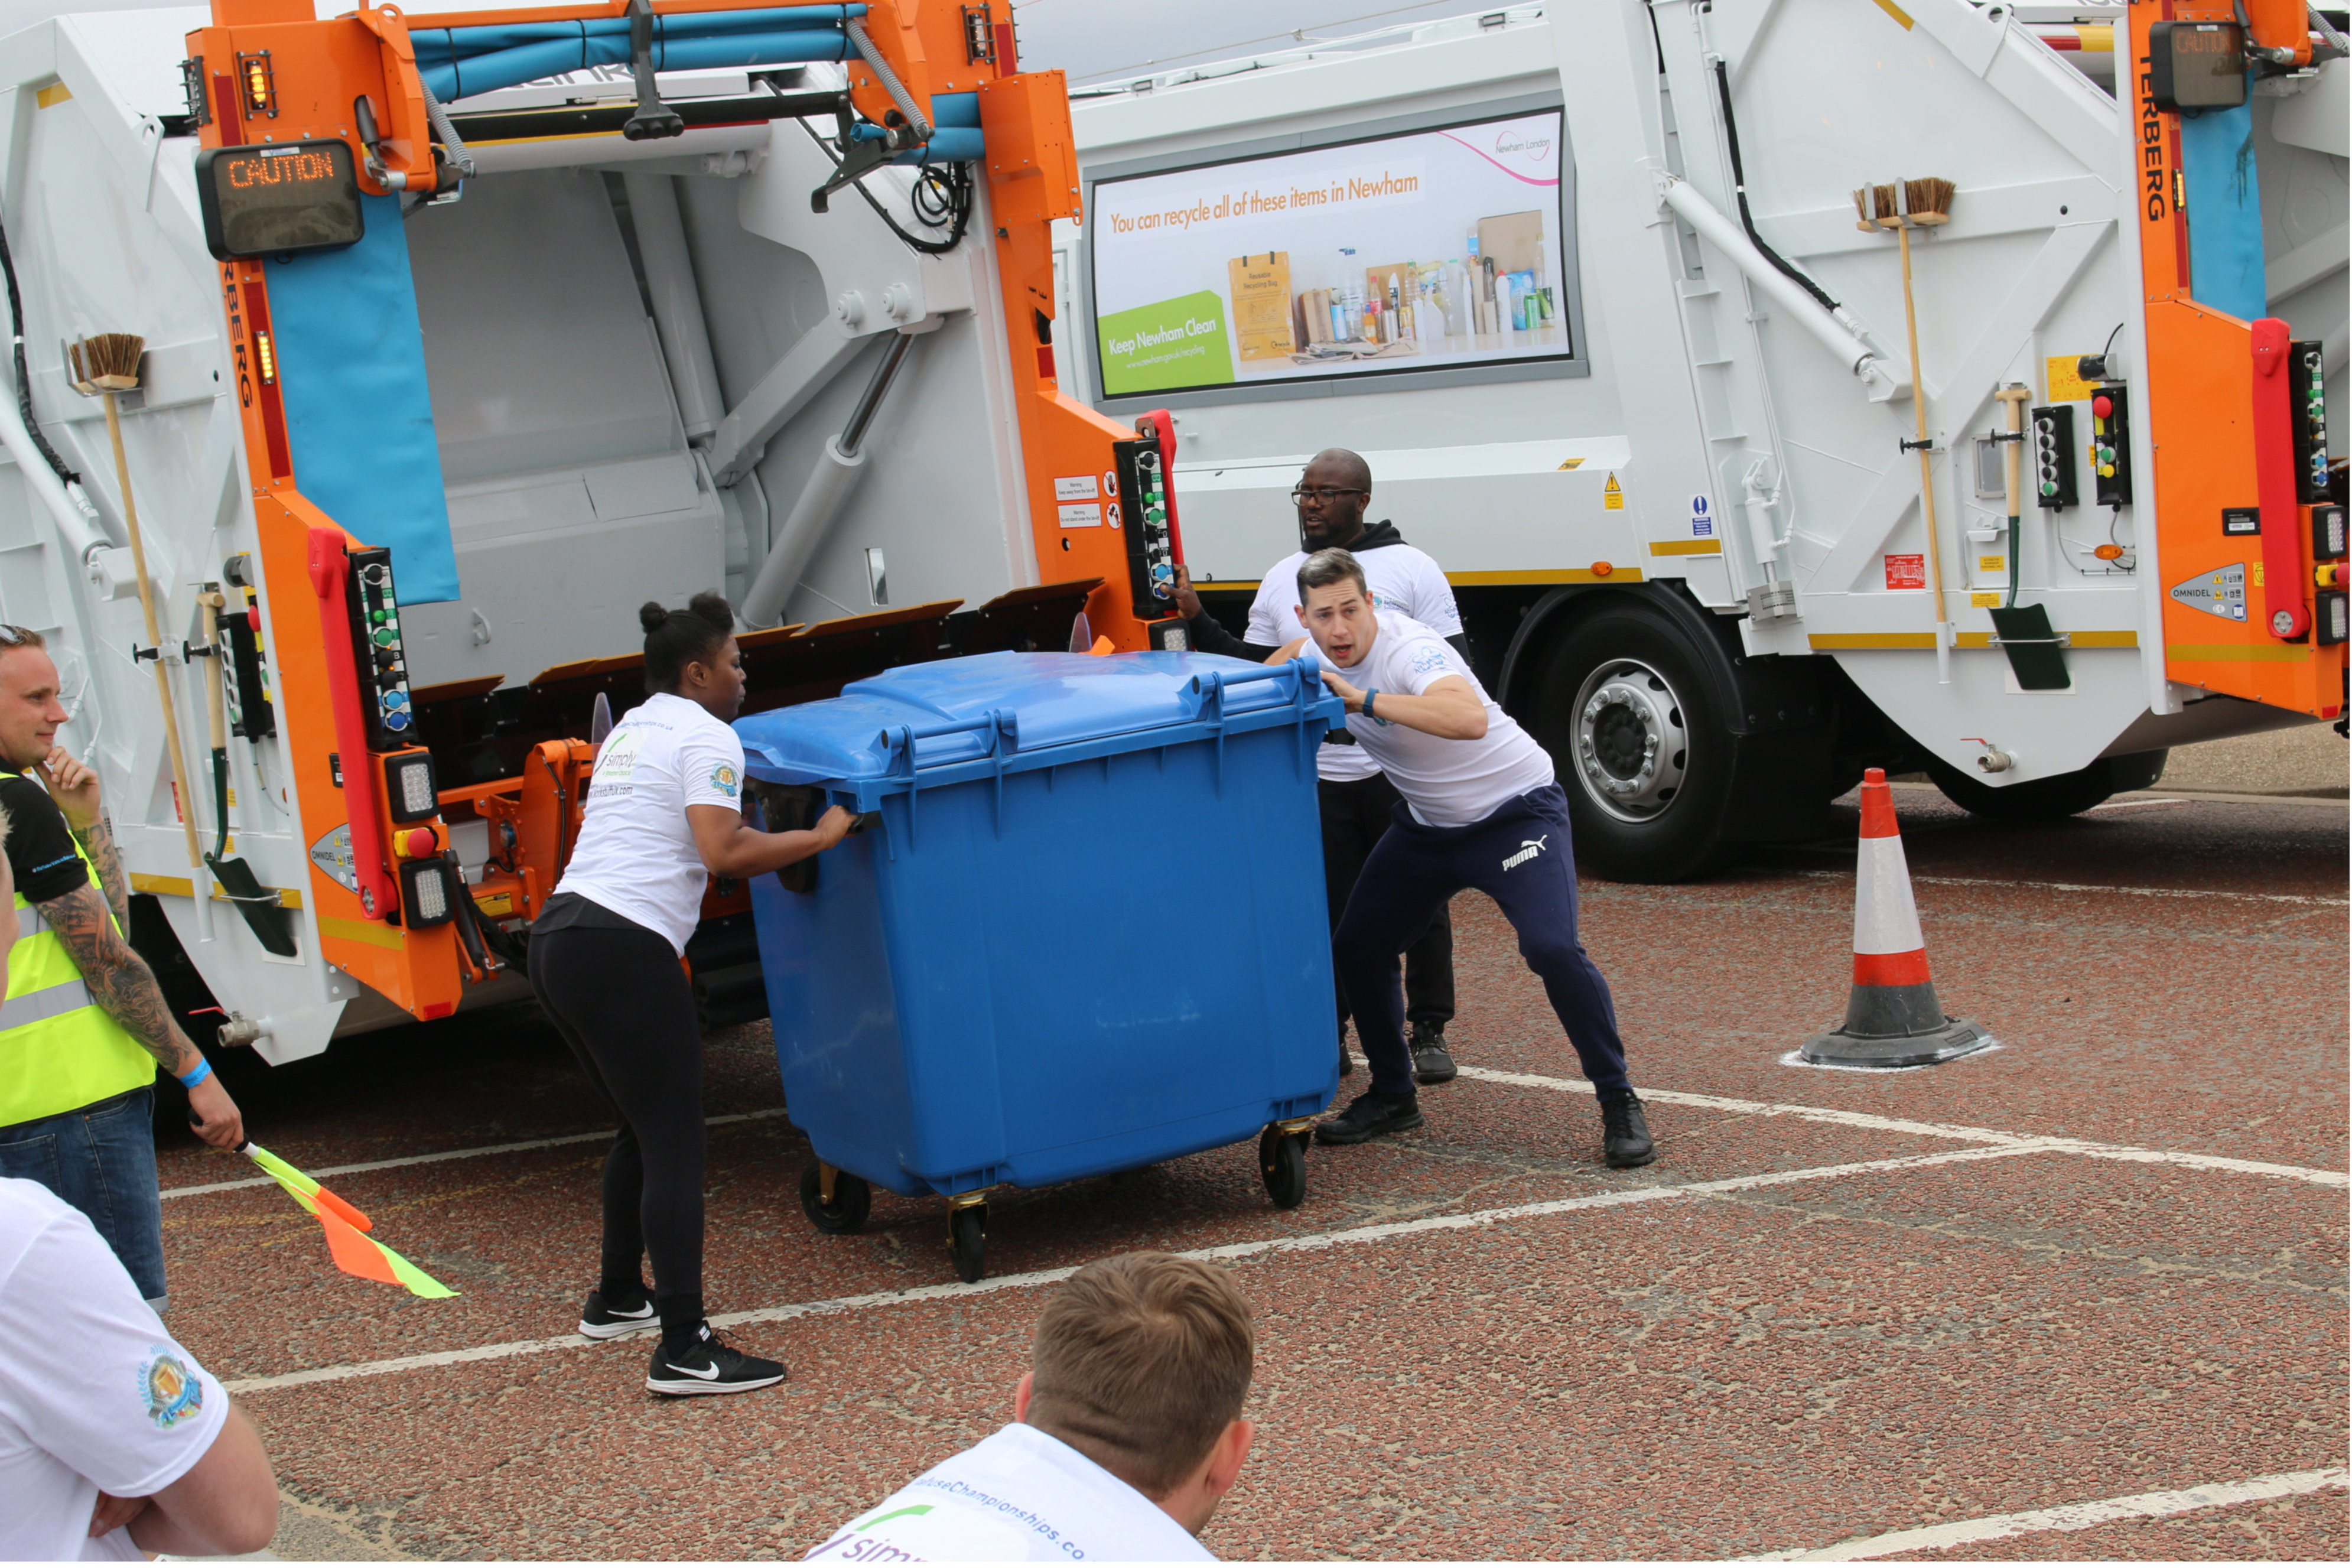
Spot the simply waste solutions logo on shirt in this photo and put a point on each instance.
(1176, 343)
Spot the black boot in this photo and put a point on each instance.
(1431, 1063)
(1369, 1116)
(1625, 1132)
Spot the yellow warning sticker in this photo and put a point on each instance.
(52, 95)
(495, 904)
(1613, 495)
(2065, 384)
(1572, 463)
(2258, 574)
(1985, 601)
(1992, 563)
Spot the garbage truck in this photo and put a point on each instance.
(1786, 386)
(369, 371)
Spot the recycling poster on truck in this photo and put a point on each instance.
(1434, 249)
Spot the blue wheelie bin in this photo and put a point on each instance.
(1081, 930)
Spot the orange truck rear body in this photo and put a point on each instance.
(2207, 399)
(272, 72)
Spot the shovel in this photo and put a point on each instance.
(264, 914)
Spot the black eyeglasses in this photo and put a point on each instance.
(1300, 495)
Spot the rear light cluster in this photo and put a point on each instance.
(2331, 612)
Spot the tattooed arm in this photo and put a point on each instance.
(98, 843)
(121, 981)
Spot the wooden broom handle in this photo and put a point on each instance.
(1919, 418)
(187, 806)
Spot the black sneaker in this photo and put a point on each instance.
(1347, 1062)
(599, 1322)
(713, 1367)
(1431, 1063)
(1625, 1132)
(1368, 1116)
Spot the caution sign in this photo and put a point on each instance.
(1613, 495)
(2218, 592)
(332, 854)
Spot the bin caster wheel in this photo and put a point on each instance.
(968, 1240)
(851, 1201)
(1282, 1161)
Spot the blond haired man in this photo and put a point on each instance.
(1127, 1433)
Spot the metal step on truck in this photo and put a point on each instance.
(436, 344)
(1785, 385)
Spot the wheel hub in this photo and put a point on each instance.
(1631, 745)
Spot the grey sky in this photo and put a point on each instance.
(1093, 40)
(1113, 40)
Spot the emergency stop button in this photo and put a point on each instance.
(415, 843)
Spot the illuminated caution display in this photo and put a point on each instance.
(2219, 592)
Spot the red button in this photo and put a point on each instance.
(2103, 406)
(418, 843)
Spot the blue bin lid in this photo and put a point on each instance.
(1037, 701)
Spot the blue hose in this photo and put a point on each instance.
(468, 77)
(442, 46)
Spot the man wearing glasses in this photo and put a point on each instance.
(1331, 495)
(83, 1024)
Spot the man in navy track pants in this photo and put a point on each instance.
(1480, 810)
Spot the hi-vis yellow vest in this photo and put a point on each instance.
(58, 1050)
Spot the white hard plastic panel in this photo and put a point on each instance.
(941, 491)
(933, 495)
(2306, 244)
(1238, 518)
(2317, 117)
(557, 562)
(2048, 733)
(536, 340)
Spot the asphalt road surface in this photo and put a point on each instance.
(2083, 1296)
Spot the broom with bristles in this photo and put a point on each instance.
(108, 363)
(1902, 206)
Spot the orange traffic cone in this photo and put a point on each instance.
(1891, 1019)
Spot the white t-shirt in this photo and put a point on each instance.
(1446, 783)
(636, 854)
(1399, 577)
(1021, 1496)
(94, 1394)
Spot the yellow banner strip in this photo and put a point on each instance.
(185, 888)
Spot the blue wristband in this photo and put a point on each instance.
(189, 1081)
(1369, 693)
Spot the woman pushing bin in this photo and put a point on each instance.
(664, 811)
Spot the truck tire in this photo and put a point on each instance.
(1629, 710)
(2049, 799)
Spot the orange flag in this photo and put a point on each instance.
(354, 1253)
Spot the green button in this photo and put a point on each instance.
(2049, 489)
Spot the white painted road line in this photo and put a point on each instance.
(1358, 1236)
(2313, 899)
(1524, 1081)
(2133, 805)
(2074, 1516)
(2021, 1141)
(527, 1145)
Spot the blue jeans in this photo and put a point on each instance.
(102, 1160)
(1519, 857)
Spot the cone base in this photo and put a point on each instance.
(1837, 1047)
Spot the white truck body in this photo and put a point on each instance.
(1708, 437)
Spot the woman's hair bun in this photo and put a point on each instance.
(651, 616)
(713, 608)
